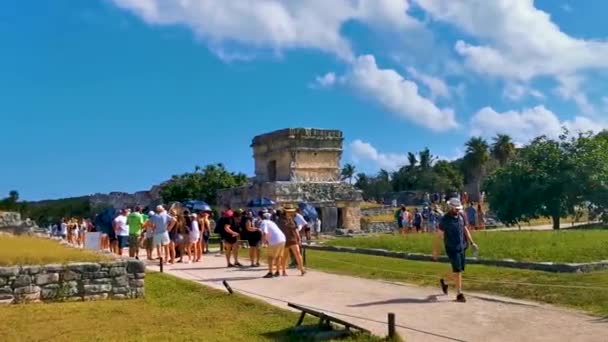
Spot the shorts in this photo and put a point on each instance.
(193, 238)
(112, 236)
(254, 239)
(276, 250)
(306, 229)
(161, 239)
(418, 226)
(133, 243)
(173, 235)
(206, 236)
(432, 226)
(230, 240)
(400, 223)
(123, 241)
(457, 260)
(149, 243)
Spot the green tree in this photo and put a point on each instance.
(348, 172)
(503, 148)
(202, 184)
(476, 157)
(446, 177)
(13, 196)
(362, 182)
(550, 178)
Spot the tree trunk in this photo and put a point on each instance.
(555, 219)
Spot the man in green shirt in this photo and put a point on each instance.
(135, 221)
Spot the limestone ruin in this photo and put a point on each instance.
(301, 165)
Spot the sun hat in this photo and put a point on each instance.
(288, 208)
(150, 213)
(455, 203)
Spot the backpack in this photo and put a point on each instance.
(398, 214)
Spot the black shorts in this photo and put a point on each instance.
(457, 260)
(400, 224)
(230, 240)
(254, 239)
(112, 235)
(418, 226)
(123, 241)
(206, 236)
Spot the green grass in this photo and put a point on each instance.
(26, 250)
(476, 278)
(173, 310)
(557, 246)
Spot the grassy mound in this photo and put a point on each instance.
(27, 250)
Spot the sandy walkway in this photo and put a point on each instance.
(423, 314)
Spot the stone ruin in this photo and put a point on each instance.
(301, 165)
(11, 222)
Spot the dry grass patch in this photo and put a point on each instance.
(28, 250)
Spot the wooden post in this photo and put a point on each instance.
(161, 264)
(391, 325)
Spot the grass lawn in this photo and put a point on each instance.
(558, 246)
(173, 310)
(476, 278)
(26, 250)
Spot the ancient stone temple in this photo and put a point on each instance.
(301, 165)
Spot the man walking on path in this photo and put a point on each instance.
(456, 237)
(135, 221)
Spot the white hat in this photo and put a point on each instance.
(150, 213)
(455, 203)
(193, 215)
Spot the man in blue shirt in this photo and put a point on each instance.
(456, 237)
(471, 216)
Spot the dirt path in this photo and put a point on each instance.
(423, 314)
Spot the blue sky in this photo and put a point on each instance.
(118, 95)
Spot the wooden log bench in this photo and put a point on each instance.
(324, 319)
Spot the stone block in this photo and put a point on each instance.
(31, 270)
(47, 278)
(82, 267)
(22, 280)
(70, 275)
(9, 271)
(94, 275)
(49, 293)
(136, 266)
(100, 296)
(140, 275)
(136, 283)
(101, 281)
(117, 271)
(96, 289)
(6, 290)
(121, 281)
(54, 268)
(29, 289)
(7, 299)
(119, 296)
(3, 281)
(120, 290)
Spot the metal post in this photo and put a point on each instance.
(227, 286)
(161, 264)
(304, 254)
(391, 325)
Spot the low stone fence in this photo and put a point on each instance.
(378, 227)
(120, 279)
(383, 210)
(538, 266)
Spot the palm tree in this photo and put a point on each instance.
(348, 172)
(426, 159)
(13, 196)
(412, 160)
(476, 157)
(503, 148)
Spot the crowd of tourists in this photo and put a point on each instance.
(73, 229)
(426, 218)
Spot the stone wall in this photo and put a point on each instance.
(10, 219)
(72, 282)
(123, 200)
(384, 210)
(378, 227)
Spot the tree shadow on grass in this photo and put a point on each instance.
(601, 320)
(312, 333)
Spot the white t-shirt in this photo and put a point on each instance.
(194, 230)
(274, 234)
(300, 221)
(64, 228)
(123, 228)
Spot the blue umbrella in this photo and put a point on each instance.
(261, 203)
(197, 205)
(308, 211)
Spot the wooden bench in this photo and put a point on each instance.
(324, 319)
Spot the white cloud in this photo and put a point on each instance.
(436, 85)
(363, 152)
(517, 91)
(522, 41)
(325, 81)
(274, 24)
(529, 123)
(395, 93)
